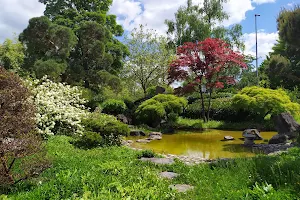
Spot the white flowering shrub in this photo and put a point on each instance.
(60, 107)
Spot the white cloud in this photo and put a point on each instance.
(154, 12)
(265, 42)
(15, 14)
(237, 11)
(263, 1)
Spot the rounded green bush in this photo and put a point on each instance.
(152, 111)
(108, 127)
(113, 107)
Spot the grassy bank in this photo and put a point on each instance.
(116, 173)
(185, 123)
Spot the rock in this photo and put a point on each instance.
(129, 141)
(252, 132)
(154, 137)
(155, 133)
(159, 90)
(164, 161)
(228, 137)
(143, 141)
(286, 125)
(181, 187)
(137, 133)
(122, 118)
(168, 175)
(279, 138)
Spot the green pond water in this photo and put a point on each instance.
(206, 144)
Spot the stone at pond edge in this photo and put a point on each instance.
(164, 161)
(181, 187)
(137, 133)
(143, 141)
(155, 133)
(278, 138)
(228, 137)
(154, 137)
(168, 175)
(286, 124)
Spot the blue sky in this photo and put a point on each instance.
(15, 14)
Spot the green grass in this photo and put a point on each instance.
(116, 173)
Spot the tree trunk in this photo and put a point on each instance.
(202, 104)
(209, 104)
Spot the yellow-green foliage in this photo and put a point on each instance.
(153, 110)
(264, 101)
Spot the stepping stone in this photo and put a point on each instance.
(143, 141)
(163, 161)
(181, 187)
(154, 137)
(168, 175)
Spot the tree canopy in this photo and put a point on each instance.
(282, 66)
(76, 38)
(197, 22)
(149, 58)
(211, 63)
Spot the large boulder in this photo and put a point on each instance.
(278, 138)
(286, 125)
(252, 133)
(123, 118)
(137, 133)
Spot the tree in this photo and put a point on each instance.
(263, 101)
(47, 44)
(211, 63)
(288, 24)
(80, 36)
(17, 139)
(149, 58)
(11, 55)
(282, 66)
(197, 22)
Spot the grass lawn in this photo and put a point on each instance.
(116, 173)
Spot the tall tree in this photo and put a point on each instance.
(149, 58)
(11, 55)
(48, 47)
(87, 34)
(76, 14)
(197, 22)
(282, 66)
(211, 63)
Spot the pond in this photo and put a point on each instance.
(206, 144)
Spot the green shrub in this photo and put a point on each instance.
(221, 109)
(108, 127)
(89, 139)
(152, 111)
(113, 107)
(146, 154)
(263, 101)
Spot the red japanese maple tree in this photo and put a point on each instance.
(208, 63)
